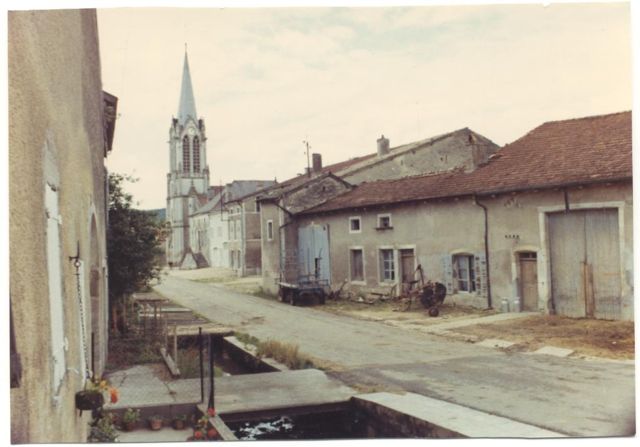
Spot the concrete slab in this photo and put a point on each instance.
(495, 343)
(444, 419)
(165, 434)
(555, 351)
(276, 390)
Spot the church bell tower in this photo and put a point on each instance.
(188, 177)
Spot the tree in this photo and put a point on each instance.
(134, 239)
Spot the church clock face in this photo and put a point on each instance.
(191, 131)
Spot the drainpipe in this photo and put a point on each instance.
(486, 248)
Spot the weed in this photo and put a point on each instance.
(246, 339)
(286, 353)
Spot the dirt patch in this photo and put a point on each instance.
(599, 338)
(388, 312)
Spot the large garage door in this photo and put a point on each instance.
(585, 263)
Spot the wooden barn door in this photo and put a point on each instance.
(585, 263)
(529, 280)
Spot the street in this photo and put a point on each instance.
(571, 396)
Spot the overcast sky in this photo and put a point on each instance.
(267, 79)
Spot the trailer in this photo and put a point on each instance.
(305, 291)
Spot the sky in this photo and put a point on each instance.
(266, 79)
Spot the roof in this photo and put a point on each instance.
(187, 105)
(557, 153)
(233, 191)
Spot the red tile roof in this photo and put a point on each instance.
(557, 153)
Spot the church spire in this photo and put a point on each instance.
(187, 107)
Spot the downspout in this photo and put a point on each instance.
(486, 248)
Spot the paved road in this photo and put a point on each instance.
(575, 397)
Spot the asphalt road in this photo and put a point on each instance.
(570, 396)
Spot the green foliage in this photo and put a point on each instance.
(134, 242)
(131, 415)
(103, 429)
(246, 339)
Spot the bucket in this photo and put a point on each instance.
(505, 306)
(516, 305)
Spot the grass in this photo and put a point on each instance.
(189, 364)
(286, 353)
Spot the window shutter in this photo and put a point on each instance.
(447, 268)
(54, 270)
(83, 324)
(481, 274)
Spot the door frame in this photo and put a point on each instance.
(517, 265)
(544, 257)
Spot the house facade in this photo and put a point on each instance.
(283, 247)
(545, 225)
(61, 129)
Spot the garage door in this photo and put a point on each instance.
(585, 263)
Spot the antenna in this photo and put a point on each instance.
(306, 144)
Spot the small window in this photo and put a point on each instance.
(357, 265)
(257, 206)
(387, 265)
(354, 225)
(464, 273)
(269, 230)
(384, 221)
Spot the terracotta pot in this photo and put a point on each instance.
(178, 424)
(155, 424)
(128, 426)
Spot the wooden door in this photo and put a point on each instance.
(407, 266)
(529, 281)
(585, 263)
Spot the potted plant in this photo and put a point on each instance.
(179, 421)
(130, 418)
(155, 422)
(92, 397)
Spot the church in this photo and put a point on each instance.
(188, 179)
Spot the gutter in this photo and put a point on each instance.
(486, 248)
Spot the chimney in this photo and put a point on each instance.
(383, 146)
(316, 163)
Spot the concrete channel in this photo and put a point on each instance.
(275, 391)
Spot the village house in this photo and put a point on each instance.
(225, 231)
(61, 129)
(288, 254)
(545, 225)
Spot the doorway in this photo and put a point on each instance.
(528, 280)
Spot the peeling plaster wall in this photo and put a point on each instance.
(55, 99)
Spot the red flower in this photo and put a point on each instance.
(211, 412)
(114, 395)
(197, 434)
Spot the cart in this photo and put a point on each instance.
(430, 293)
(307, 290)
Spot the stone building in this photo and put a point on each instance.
(545, 225)
(284, 255)
(188, 179)
(61, 128)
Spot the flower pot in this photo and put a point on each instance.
(178, 424)
(128, 426)
(89, 400)
(155, 424)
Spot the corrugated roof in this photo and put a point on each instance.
(582, 150)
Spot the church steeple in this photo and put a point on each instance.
(187, 106)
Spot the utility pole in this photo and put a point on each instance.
(306, 143)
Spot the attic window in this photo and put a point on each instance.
(384, 222)
(354, 224)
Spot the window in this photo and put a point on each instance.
(269, 230)
(354, 225)
(357, 266)
(384, 221)
(196, 154)
(464, 273)
(257, 206)
(387, 265)
(186, 161)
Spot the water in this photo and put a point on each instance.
(338, 425)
